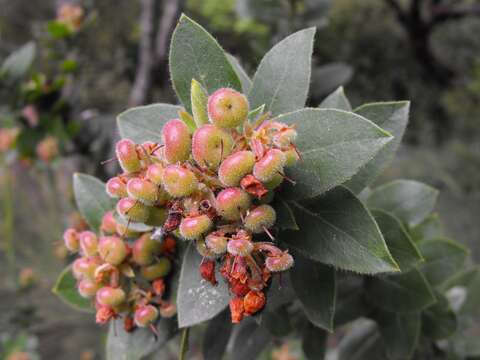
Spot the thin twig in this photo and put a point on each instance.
(184, 344)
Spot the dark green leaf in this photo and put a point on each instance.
(443, 259)
(195, 54)
(410, 201)
(280, 292)
(198, 300)
(400, 333)
(91, 198)
(251, 339)
(336, 100)
(216, 336)
(241, 73)
(122, 345)
(314, 342)
(58, 30)
(334, 145)
(285, 216)
(338, 230)
(362, 342)
(328, 77)
(17, 63)
(439, 321)
(351, 303)
(283, 76)
(277, 322)
(314, 285)
(144, 123)
(403, 293)
(66, 289)
(429, 228)
(392, 117)
(402, 248)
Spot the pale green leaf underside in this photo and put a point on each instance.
(336, 100)
(144, 123)
(282, 79)
(17, 63)
(334, 145)
(66, 289)
(338, 230)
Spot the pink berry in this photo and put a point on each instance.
(260, 218)
(154, 173)
(142, 190)
(194, 227)
(84, 268)
(227, 108)
(87, 288)
(240, 247)
(116, 188)
(109, 224)
(177, 141)
(127, 156)
(109, 296)
(216, 243)
(71, 240)
(210, 145)
(144, 249)
(232, 202)
(270, 165)
(112, 250)
(179, 181)
(235, 167)
(88, 243)
(279, 263)
(145, 315)
(133, 210)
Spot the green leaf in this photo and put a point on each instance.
(199, 103)
(400, 333)
(334, 145)
(144, 123)
(351, 303)
(362, 342)
(216, 337)
(280, 292)
(122, 345)
(253, 114)
(314, 285)
(251, 339)
(392, 117)
(429, 228)
(241, 73)
(402, 248)
(403, 293)
(18, 63)
(58, 30)
(198, 300)
(285, 216)
(188, 120)
(314, 342)
(439, 321)
(410, 201)
(91, 198)
(66, 289)
(338, 230)
(277, 322)
(283, 76)
(336, 100)
(133, 226)
(443, 259)
(195, 54)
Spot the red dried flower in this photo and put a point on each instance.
(207, 271)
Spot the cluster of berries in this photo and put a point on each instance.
(124, 271)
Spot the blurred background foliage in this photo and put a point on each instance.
(379, 50)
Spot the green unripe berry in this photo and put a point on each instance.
(87, 288)
(144, 249)
(71, 240)
(154, 173)
(142, 190)
(270, 165)
(84, 268)
(158, 270)
(88, 243)
(239, 247)
(112, 250)
(116, 188)
(274, 182)
(279, 263)
(177, 141)
(291, 157)
(194, 227)
(133, 210)
(204, 250)
(235, 167)
(232, 202)
(109, 296)
(179, 181)
(216, 243)
(157, 216)
(210, 145)
(145, 315)
(285, 137)
(127, 156)
(125, 231)
(260, 218)
(227, 108)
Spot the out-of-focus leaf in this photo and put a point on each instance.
(334, 145)
(250, 340)
(197, 299)
(18, 63)
(362, 342)
(91, 198)
(429, 228)
(410, 201)
(337, 230)
(329, 77)
(241, 73)
(439, 321)
(285, 217)
(217, 334)
(144, 123)
(314, 342)
(66, 289)
(336, 100)
(282, 79)
(277, 322)
(195, 54)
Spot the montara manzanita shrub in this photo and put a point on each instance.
(219, 197)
